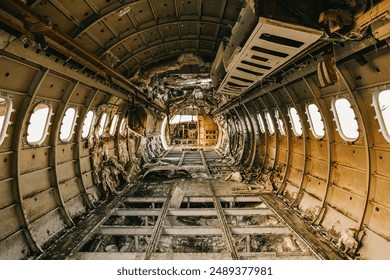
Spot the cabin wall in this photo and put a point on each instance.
(45, 189)
(339, 187)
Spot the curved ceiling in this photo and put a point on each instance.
(132, 34)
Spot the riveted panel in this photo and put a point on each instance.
(79, 9)
(379, 220)
(60, 20)
(101, 32)
(346, 202)
(316, 187)
(39, 204)
(297, 146)
(310, 205)
(34, 182)
(318, 149)
(85, 164)
(349, 179)
(34, 158)
(53, 87)
(65, 152)
(47, 226)
(317, 168)
(66, 171)
(14, 246)
(6, 197)
(290, 191)
(295, 176)
(122, 24)
(353, 156)
(382, 191)
(87, 177)
(69, 189)
(86, 42)
(15, 76)
(5, 165)
(375, 247)
(8, 221)
(383, 159)
(336, 222)
(297, 161)
(142, 13)
(75, 207)
(80, 95)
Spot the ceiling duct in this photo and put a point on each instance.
(271, 45)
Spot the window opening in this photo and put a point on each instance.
(38, 124)
(113, 125)
(5, 114)
(280, 123)
(315, 121)
(87, 124)
(261, 123)
(345, 119)
(270, 124)
(295, 121)
(102, 124)
(122, 126)
(68, 122)
(382, 110)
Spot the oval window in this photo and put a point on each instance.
(87, 124)
(122, 126)
(114, 123)
(68, 122)
(280, 123)
(345, 119)
(5, 114)
(261, 123)
(270, 124)
(38, 124)
(295, 121)
(315, 121)
(102, 124)
(382, 110)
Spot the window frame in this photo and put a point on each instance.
(261, 122)
(280, 123)
(270, 123)
(7, 117)
(309, 117)
(338, 123)
(46, 126)
(122, 126)
(67, 139)
(90, 126)
(114, 122)
(379, 116)
(293, 126)
(99, 127)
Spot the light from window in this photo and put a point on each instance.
(87, 124)
(38, 124)
(261, 123)
(270, 124)
(345, 119)
(183, 119)
(5, 113)
(295, 121)
(122, 126)
(382, 109)
(315, 120)
(280, 123)
(113, 125)
(102, 124)
(68, 122)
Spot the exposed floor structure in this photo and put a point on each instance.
(186, 210)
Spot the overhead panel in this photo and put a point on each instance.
(270, 46)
